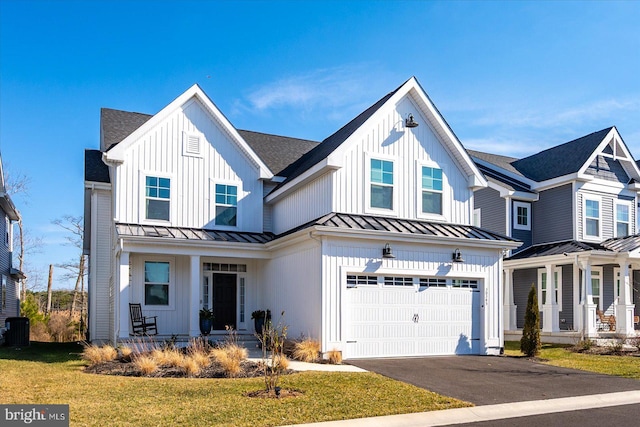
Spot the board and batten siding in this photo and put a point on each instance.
(553, 215)
(292, 281)
(101, 265)
(492, 210)
(409, 149)
(159, 152)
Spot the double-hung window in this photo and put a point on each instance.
(3, 293)
(158, 195)
(521, 216)
(381, 184)
(431, 190)
(544, 286)
(591, 218)
(226, 204)
(156, 282)
(596, 286)
(622, 219)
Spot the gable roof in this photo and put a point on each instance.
(116, 125)
(276, 151)
(95, 170)
(115, 153)
(562, 159)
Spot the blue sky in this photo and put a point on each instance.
(510, 77)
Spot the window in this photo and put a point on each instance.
(596, 286)
(477, 217)
(622, 219)
(156, 283)
(592, 218)
(158, 193)
(431, 190)
(429, 282)
(398, 281)
(3, 293)
(226, 204)
(7, 231)
(464, 283)
(542, 288)
(521, 216)
(354, 280)
(381, 184)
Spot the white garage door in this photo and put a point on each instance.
(403, 316)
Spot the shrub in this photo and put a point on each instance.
(146, 364)
(634, 341)
(530, 341)
(307, 350)
(335, 357)
(584, 345)
(62, 327)
(272, 340)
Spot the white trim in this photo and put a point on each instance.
(590, 197)
(445, 215)
(477, 217)
(172, 282)
(213, 204)
(192, 144)
(367, 180)
(527, 206)
(629, 222)
(142, 205)
(600, 277)
(558, 286)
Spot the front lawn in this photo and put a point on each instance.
(559, 355)
(52, 373)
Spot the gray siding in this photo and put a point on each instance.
(608, 290)
(607, 214)
(607, 168)
(524, 236)
(552, 215)
(522, 281)
(566, 314)
(492, 210)
(12, 304)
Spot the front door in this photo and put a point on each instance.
(223, 300)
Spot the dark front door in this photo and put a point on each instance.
(224, 301)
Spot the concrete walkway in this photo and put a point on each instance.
(491, 412)
(255, 355)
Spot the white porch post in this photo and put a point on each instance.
(194, 299)
(577, 318)
(550, 309)
(589, 317)
(124, 296)
(509, 309)
(624, 307)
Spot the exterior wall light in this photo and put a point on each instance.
(457, 256)
(386, 252)
(410, 122)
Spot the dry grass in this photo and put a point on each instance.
(335, 357)
(191, 366)
(125, 351)
(229, 363)
(39, 332)
(96, 354)
(146, 364)
(307, 350)
(282, 362)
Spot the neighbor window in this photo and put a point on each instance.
(622, 219)
(521, 216)
(592, 218)
(158, 193)
(381, 184)
(156, 283)
(432, 190)
(226, 204)
(557, 285)
(7, 231)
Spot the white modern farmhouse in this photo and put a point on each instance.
(364, 240)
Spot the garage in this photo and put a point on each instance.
(388, 316)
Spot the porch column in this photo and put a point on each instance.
(194, 299)
(509, 308)
(122, 318)
(589, 308)
(577, 302)
(624, 307)
(550, 309)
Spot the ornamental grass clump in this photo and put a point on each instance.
(95, 354)
(230, 363)
(334, 357)
(146, 364)
(307, 350)
(530, 341)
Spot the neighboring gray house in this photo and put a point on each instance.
(9, 276)
(575, 208)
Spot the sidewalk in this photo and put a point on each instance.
(255, 355)
(490, 412)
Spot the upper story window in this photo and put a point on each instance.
(521, 216)
(622, 219)
(158, 194)
(7, 232)
(156, 283)
(592, 221)
(226, 204)
(431, 190)
(381, 184)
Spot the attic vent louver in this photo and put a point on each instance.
(191, 145)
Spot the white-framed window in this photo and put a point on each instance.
(521, 215)
(3, 293)
(543, 286)
(7, 232)
(354, 280)
(226, 198)
(592, 209)
(192, 144)
(157, 283)
(623, 219)
(596, 286)
(431, 190)
(477, 217)
(398, 281)
(157, 198)
(381, 180)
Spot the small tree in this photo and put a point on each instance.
(273, 359)
(530, 341)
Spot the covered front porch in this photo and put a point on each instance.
(592, 293)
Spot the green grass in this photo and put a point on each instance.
(558, 355)
(52, 373)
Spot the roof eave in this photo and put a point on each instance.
(10, 209)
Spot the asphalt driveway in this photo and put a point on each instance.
(488, 380)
